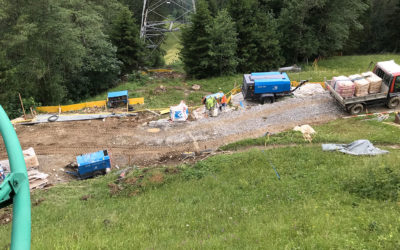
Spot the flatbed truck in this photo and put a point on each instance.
(389, 95)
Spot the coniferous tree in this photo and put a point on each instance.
(223, 38)
(125, 36)
(54, 51)
(195, 39)
(258, 46)
(317, 28)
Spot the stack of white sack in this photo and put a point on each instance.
(362, 85)
(375, 82)
(344, 86)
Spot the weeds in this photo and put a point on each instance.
(376, 182)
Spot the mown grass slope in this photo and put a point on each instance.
(338, 131)
(172, 48)
(323, 200)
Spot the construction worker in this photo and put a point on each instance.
(211, 104)
(223, 103)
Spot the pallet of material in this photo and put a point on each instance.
(30, 158)
(375, 82)
(361, 85)
(343, 86)
(37, 179)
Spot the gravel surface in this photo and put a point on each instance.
(252, 120)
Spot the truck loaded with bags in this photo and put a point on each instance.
(356, 92)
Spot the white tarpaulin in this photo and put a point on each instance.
(359, 147)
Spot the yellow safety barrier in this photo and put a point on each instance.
(157, 71)
(139, 100)
(79, 106)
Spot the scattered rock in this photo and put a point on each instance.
(196, 87)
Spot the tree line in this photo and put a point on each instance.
(63, 51)
(59, 51)
(228, 36)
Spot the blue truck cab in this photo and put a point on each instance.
(92, 164)
(265, 86)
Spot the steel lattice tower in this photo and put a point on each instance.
(161, 16)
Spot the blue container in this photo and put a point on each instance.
(90, 163)
(270, 82)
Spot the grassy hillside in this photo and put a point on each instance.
(172, 47)
(323, 200)
(341, 65)
(180, 89)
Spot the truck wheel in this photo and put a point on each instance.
(97, 173)
(357, 109)
(267, 100)
(393, 102)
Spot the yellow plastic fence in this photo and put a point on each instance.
(79, 106)
(157, 71)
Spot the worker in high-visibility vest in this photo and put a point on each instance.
(210, 103)
(223, 103)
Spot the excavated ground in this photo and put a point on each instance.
(129, 141)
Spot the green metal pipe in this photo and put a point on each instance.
(21, 226)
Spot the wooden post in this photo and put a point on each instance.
(33, 115)
(22, 105)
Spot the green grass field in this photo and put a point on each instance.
(323, 200)
(338, 131)
(180, 89)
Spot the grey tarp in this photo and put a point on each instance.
(359, 147)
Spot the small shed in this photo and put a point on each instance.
(115, 99)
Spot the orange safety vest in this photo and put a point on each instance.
(223, 99)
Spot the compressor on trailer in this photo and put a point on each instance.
(267, 86)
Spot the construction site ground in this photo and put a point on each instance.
(131, 141)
